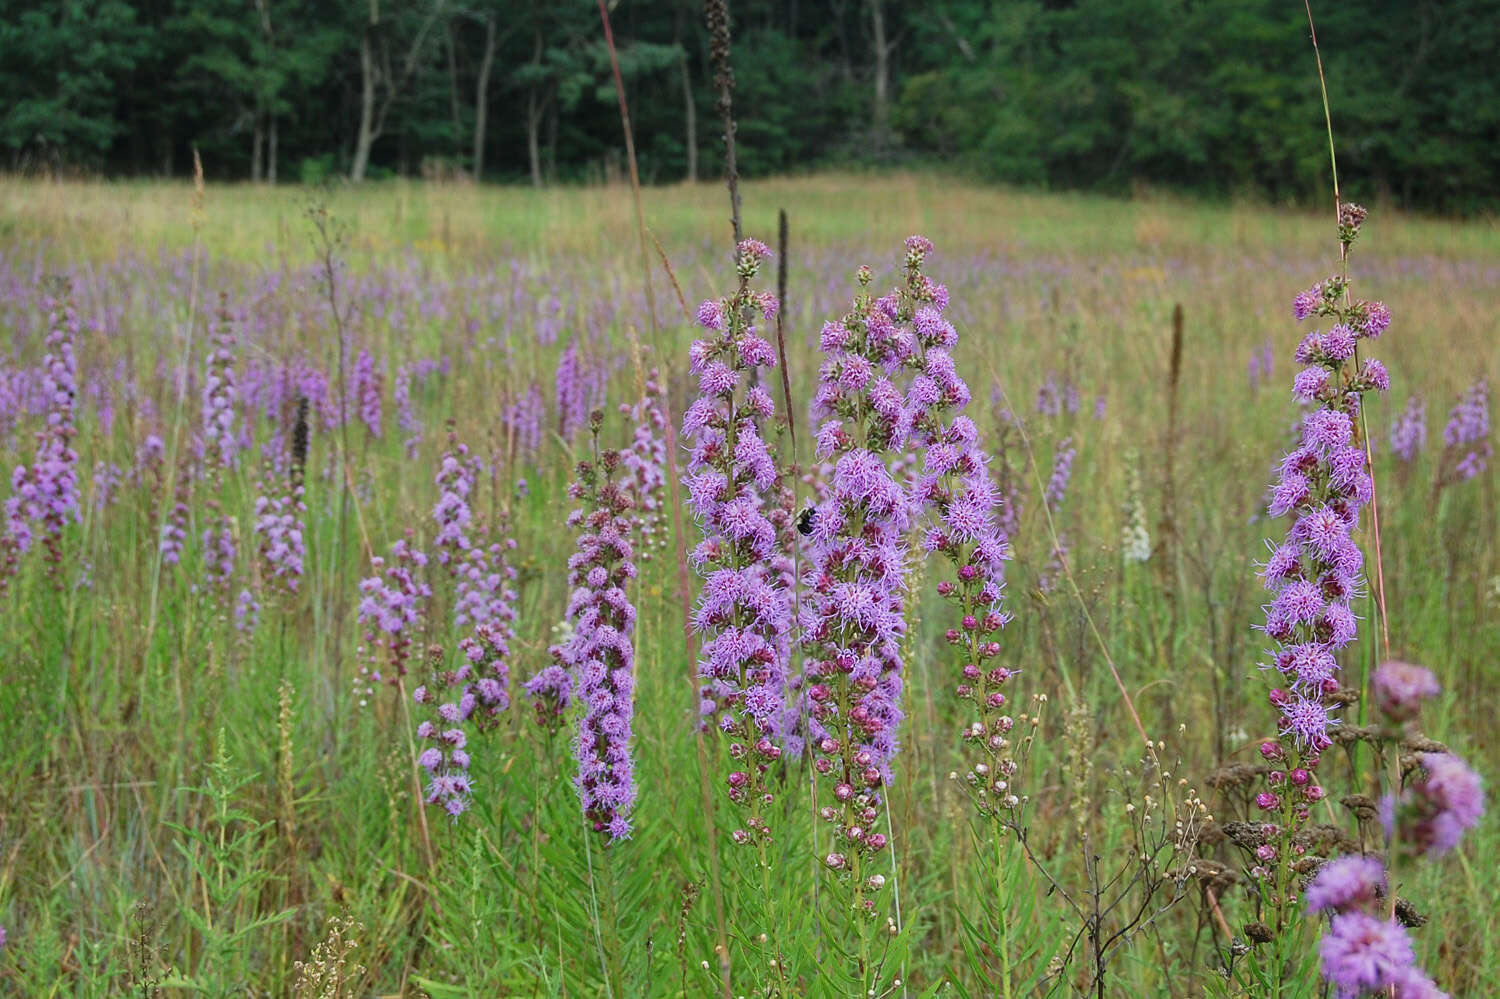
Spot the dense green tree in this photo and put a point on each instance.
(58, 66)
(1217, 96)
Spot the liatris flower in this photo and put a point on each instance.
(524, 418)
(1409, 431)
(1062, 474)
(219, 551)
(1400, 688)
(643, 466)
(1362, 954)
(1135, 538)
(45, 493)
(551, 690)
(219, 396)
(601, 649)
(488, 655)
(1011, 479)
(1430, 815)
(390, 609)
(1262, 365)
(369, 383)
(246, 612)
(1053, 496)
(955, 484)
(1346, 883)
(1365, 952)
(1316, 570)
(446, 757)
(455, 481)
(1049, 396)
(572, 393)
(1467, 434)
(406, 417)
(854, 618)
(278, 532)
(174, 533)
(732, 482)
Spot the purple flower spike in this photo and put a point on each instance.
(601, 652)
(1409, 431)
(45, 493)
(884, 387)
(1467, 435)
(644, 468)
(734, 488)
(219, 395)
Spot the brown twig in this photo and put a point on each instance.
(786, 375)
(705, 788)
(716, 14)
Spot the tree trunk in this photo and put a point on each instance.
(271, 154)
(534, 116)
(482, 96)
(551, 107)
(257, 142)
(690, 107)
(366, 136)
(458, 125)
(882, 74)
(533, 145)
(263, 106)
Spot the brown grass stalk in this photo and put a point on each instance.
(684, 587)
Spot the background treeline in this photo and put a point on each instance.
(1214, 96)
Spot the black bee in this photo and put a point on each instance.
(805, 520)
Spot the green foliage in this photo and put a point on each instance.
(1216, 96)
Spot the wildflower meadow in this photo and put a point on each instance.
(856, 586)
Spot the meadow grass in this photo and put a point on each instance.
(189, 804)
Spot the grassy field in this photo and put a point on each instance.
(192, 799)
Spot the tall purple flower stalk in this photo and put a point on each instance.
(524, 419)
(369, 384)
(390, 609)
(854, 610)
(744, 610)
(446, 756)
(956, 486)
(480, 684)
(1316, 571)
(645, 462)
(220, 549)
(1053, 496)
(601, 648)
(455, 482)
(490, 607)
(279, 525)
(219, 394)
(1409, 431)
(174, 528)
(45, 493)
(406, 416)
(1366, 951)
(572, 392)
(1467, 434)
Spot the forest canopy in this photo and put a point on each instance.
(1204, 96)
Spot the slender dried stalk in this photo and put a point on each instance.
(1364, 426)
(705, 788)
(716, 14)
